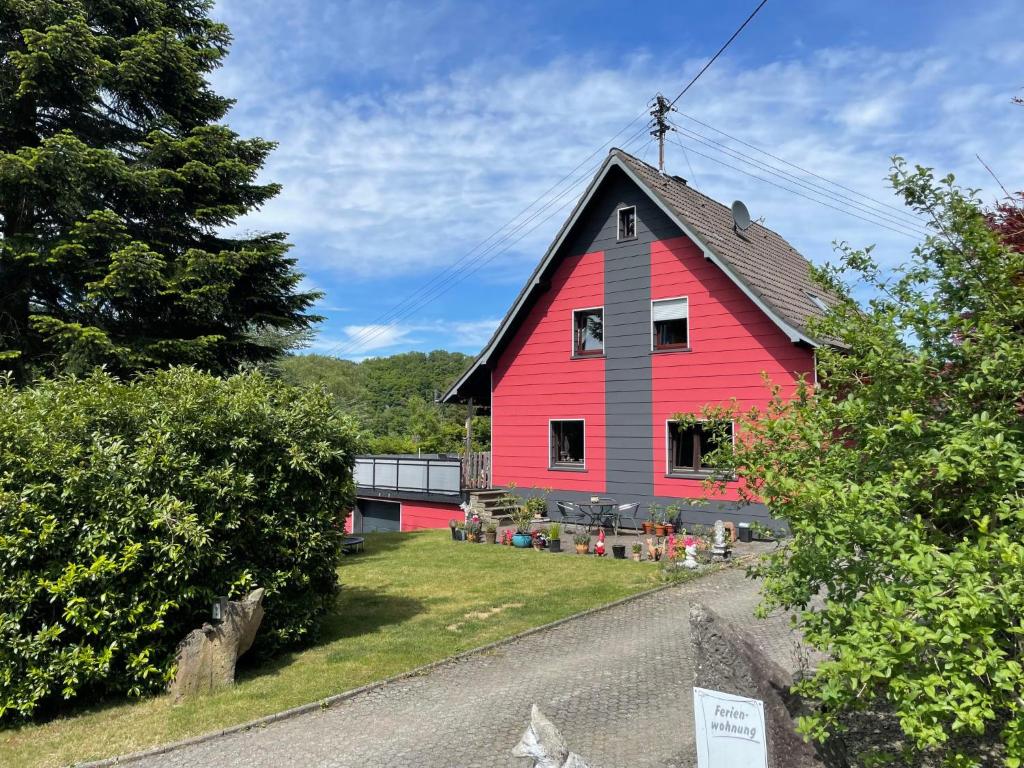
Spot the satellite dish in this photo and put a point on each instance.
(740, 216)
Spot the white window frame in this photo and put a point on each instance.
(619, 238)
(817, 301)
(693, 473)
(689, 328)
(572, 333)
(553, 467)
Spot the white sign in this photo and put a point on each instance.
(730, 730)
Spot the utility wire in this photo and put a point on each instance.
(818, 189)
(796, 192)
(719, 53)
(503, 244)
(686, 88)
(453, 268)
(754, 147)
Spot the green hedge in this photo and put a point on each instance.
(126, 508)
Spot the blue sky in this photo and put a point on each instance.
(410, 131)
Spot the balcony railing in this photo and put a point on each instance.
(418, 474)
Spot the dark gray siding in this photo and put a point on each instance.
(627, 296)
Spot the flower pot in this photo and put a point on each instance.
(582, 549)
(619, 551)
(522, 540)
(744, 532)
(455, 534)
(555, 545)
(460, 535)
(648, 527)
(637, 556)
(491, 536)
(669, 529)
(659, 529)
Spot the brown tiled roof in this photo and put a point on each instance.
(771, 268)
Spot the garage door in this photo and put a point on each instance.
(380, 515)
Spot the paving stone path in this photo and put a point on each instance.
(617, 683)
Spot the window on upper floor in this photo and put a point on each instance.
(588, 332)
(670, 324)
(627, 223)
(689, 447)
(566, 444)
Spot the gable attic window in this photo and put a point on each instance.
(588, 332)
(689, 447)
(565, 444)
(627, 223)
(670, 324)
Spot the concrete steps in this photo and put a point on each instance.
(487, 502)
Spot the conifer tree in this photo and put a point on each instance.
(118, 181)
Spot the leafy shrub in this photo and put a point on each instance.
(126, 508)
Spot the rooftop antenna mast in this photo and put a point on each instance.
(660, 108)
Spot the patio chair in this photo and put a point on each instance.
(629, 512)
(570, 513)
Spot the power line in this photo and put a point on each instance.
(370, 333)
(908, 224)
(794, 165)
(707, 65)
(719, 53)
(796, 192)
(453, 268)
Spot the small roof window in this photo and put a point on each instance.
(818, 302)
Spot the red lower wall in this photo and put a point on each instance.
(417, 515)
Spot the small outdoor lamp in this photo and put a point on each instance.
(220, 608)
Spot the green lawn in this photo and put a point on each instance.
(410, 599)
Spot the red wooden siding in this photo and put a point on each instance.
(417, 515)
(732, 343)
(536, 379)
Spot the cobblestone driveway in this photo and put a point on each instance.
(616, 682)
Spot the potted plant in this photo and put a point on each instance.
(460, 531)
(540, 538)
(554, 542)
(491, 533)
(658, 514)
(522, 518)
(652, 513)
(582, 541)
(637, 550)
(671, 516)
(619, 551)
(474, 531)
(538, 506)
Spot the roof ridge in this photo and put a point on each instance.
(672, 179)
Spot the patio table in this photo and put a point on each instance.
(597, 511)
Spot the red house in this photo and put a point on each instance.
(651, 301)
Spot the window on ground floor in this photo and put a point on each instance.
(588, 332)
(690, 446)
(566, 444)
(670, 324)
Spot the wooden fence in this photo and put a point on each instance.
(476, 470)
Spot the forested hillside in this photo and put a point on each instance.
(394, 398)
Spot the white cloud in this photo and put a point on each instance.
(404, 176)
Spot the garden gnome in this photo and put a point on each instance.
(599, 547)
(690, 545)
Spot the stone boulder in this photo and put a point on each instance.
(206, 658)
(728, 660)
(543, 743)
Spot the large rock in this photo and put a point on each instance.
(543, 743)
(727, 660)
(206, 658)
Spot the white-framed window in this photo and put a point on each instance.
(588, 332)
(627, 223)
(688, 447)
(567, 444)
(670, 323)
